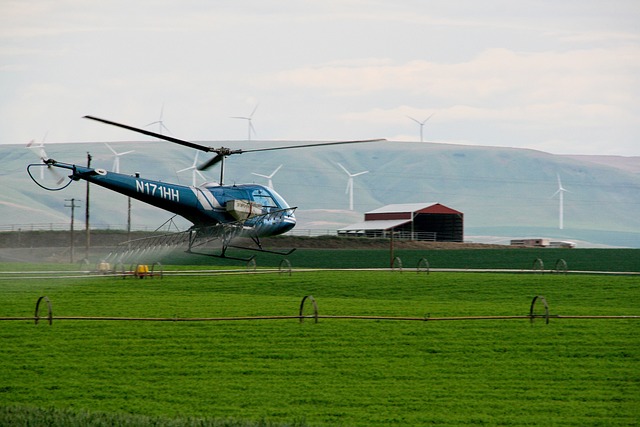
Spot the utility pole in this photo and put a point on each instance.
(86, 213)
(128, 218)
(391, 249)
(73, 207)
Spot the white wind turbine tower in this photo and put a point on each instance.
(40, 153)
(349, 189)
(160, 122)
(270, 184)
(560, 193)
(250, 127)
(194, 171)
(116, 159)
(421, 123)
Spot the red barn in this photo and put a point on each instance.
(415, 221)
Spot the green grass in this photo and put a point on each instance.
(336, 372)
(519, 259)
(622, 260)
(16, 416)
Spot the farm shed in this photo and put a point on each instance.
(414, 221)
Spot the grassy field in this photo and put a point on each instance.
(335, 372)
(518, 259)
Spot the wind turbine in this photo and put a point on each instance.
(250, 127)
(194, 170)
(43, 157)
(421, 123)
(116, 159)
(160, 122)
(560, 192)
(270, 185)
(349, 189)
(40, 153)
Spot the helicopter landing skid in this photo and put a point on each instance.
(259, 248)
(266, 251)
(222, 256)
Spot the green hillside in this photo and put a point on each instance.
(507, 192)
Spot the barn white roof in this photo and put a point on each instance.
(402, 207)
(375, 225)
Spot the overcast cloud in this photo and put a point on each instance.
(557, 76)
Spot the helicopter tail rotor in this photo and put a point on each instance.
(46, 163)
(49, 165)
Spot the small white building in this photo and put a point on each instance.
(537, 242)
(542, 243)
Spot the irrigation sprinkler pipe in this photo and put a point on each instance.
(47, 275)
(320, 316)
(531, 316)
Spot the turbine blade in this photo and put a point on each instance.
(254, 110)
(344, 169)
(111, 148)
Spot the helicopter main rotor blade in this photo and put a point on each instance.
(320, 144)
(153, 134)
(211, 162)
(221, 152)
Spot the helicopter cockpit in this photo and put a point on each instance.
(268, 198)
(243, 202)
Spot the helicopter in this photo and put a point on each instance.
(218, 212)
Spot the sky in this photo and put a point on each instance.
(561, 76)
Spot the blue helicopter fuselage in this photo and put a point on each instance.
(205, 205)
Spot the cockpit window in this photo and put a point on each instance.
(235, 194)
(279, 200)
(265, 199)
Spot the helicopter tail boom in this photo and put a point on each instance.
(260, 210)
